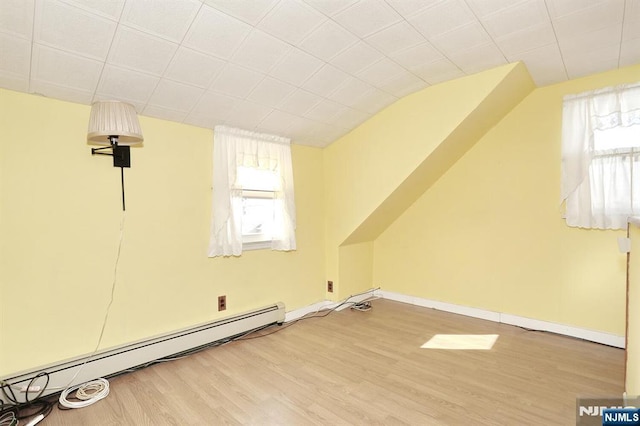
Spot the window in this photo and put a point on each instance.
(252, 199)
(615, 164)
(258, 206)
(600, 156)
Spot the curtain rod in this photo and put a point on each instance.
(603, 91)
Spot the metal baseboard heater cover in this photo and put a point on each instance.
(111, 361)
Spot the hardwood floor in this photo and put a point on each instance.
(366, 368)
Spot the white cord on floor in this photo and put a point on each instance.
(87, 394)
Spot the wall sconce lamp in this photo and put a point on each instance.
(114, 126)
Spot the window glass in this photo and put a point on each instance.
(257, 216)
(257, 179)
(616, 138)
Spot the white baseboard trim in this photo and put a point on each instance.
(534, 324)
(298, 313)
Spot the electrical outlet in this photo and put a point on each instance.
(330, 286)
(222, 303)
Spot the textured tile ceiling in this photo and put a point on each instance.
(311, 70)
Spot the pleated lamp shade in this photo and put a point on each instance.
(114, 118)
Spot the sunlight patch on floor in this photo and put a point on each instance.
(461, 341)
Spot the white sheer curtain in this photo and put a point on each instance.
(590, 177)
(234, 148)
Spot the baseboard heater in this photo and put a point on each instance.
(111, 361)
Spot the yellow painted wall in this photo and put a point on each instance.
(632, 385)
(489, 233)
(365, 168)
(356, 268)
(60, 214)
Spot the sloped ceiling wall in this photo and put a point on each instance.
(375, 172)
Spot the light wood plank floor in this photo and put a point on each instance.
(366, 368)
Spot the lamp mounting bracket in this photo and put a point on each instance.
(121, 154)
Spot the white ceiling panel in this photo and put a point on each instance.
(277, 122)
(65, 69)
(515, 18)
(526, 39)
(215, 105)
(270, 92)
(324, 111)
(482, 8)
(299, 102)
(408, 8)
(330, 7)
(325, 81)
(438, 71)
(630, 52)
(215, 33)
(367, 17)
(328, 40)
(413, 57)
(194, 68)
(175, 96)
(111, 9)
(201, 120)
(584, 43)
(60, 92)
(291, 21)
(118, 83)
(164, 113)
(442, 17)
(249, 11)
(296, 67)
(602, 15)
(632, 10)
(594, 61)
(397, 37)
(128, 45)
(325, 133)
(16, 17)
(260, 51)
(403, 84)
(356, 58)
(11, 81)
(351, 91)
(350, 118)
(381, 72)
(461, 39)
(16, 55)
(478, 58)
(375, 101)
(168, 19)
(65, 27)
(558, 8)
(236, 81)
(631, 28)
(247, 114)
(262, 64)
(302, 128)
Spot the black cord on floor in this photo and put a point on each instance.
(31, 406)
